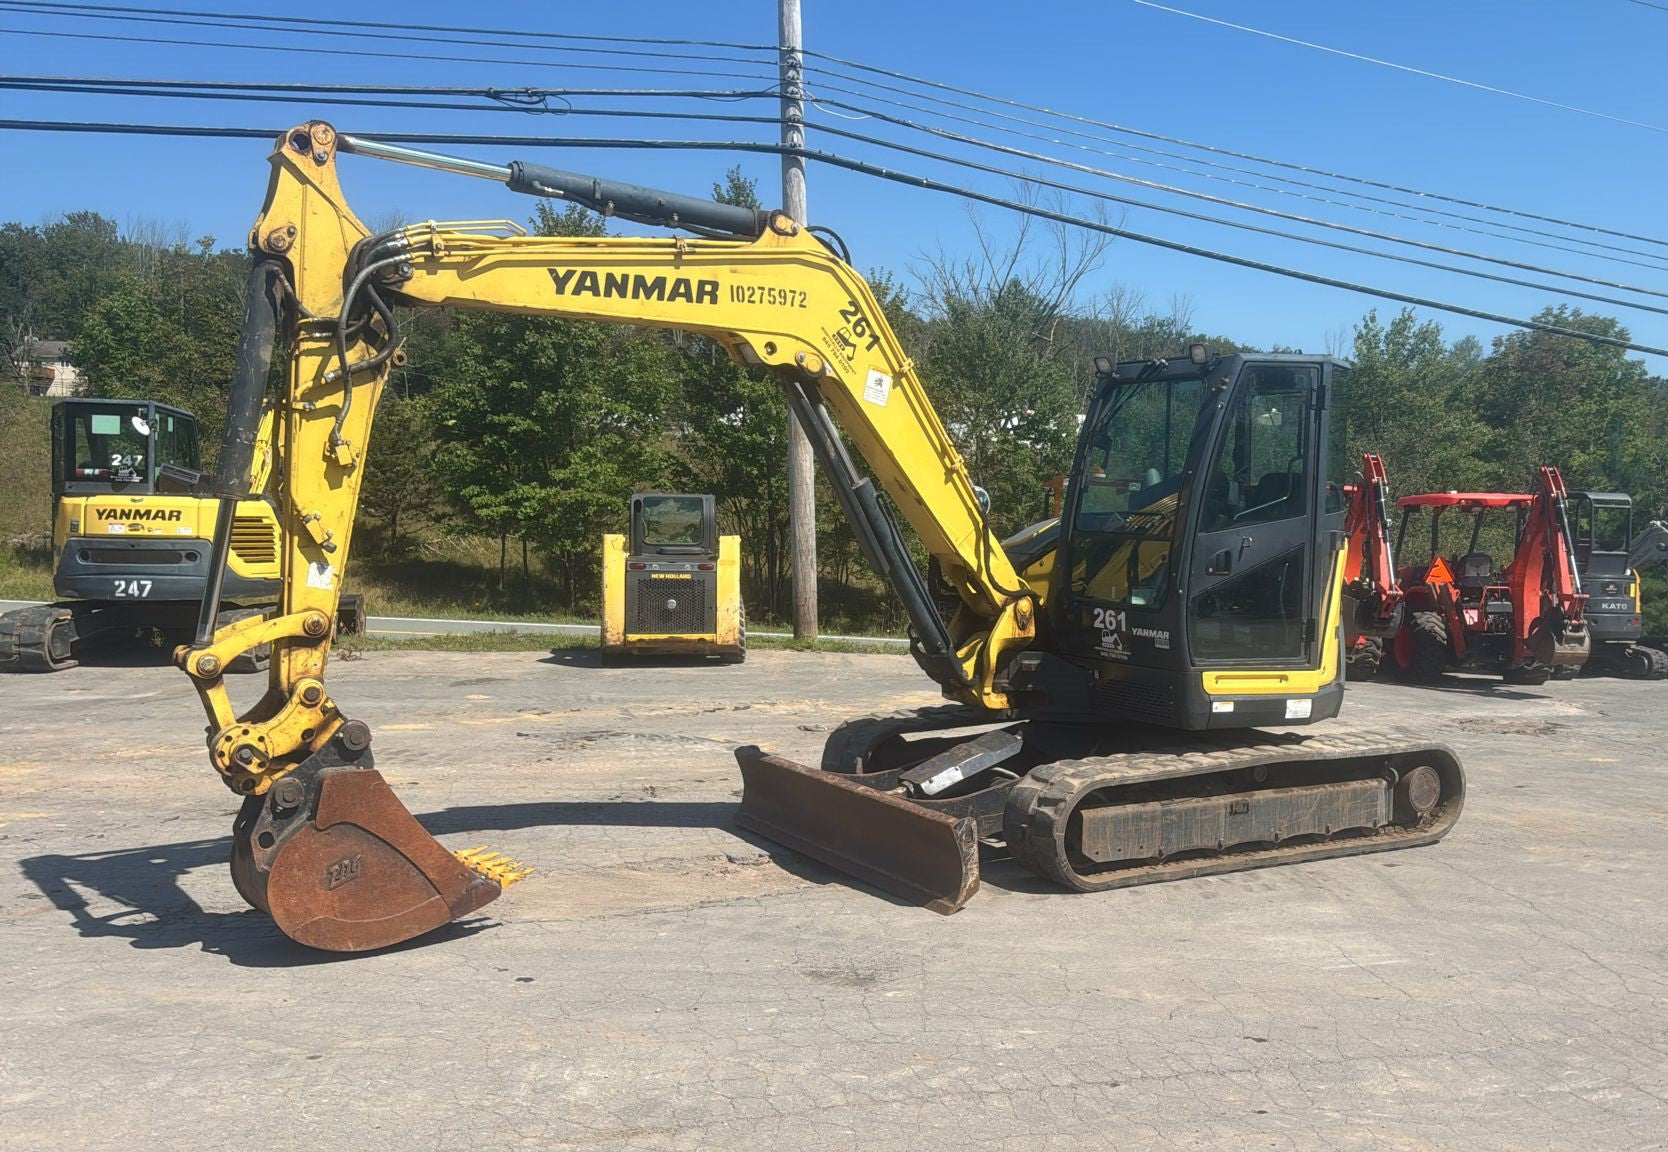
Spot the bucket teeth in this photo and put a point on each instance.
(494, 865)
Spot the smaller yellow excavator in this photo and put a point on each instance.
(671, 585)
(131, 533)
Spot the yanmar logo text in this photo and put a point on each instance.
(157, 514)
(631, 286)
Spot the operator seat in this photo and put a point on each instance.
(1473, 572)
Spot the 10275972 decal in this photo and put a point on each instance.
(766, 294)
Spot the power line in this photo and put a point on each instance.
(367, 53)
(1401, 67)
(1205, 218)
(532, 99)
(1090, 121)
(878, 172)
(991, 170)
(359, 26)
(504, 101)
(1243, 206)
(66, 9)
(241, 24)
(1648, 4)
(488, 91)
(1365, 197)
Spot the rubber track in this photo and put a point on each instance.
(1656, 664)
(1040, 805)
(23, 639)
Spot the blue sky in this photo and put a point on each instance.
(1113, 60)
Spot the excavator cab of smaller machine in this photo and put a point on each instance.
(131, 536)
(671, 585)
(1603, 527)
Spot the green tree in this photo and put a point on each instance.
(1411, 398)
(546, 426)
(400, 481)
(1550, 399)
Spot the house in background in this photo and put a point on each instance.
(45, 368)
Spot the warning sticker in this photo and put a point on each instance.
(1299, 709)
(877, 390)
(321, 575)
(1221, 705)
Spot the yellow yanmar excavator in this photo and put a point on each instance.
(1115, 668)
(130, 533)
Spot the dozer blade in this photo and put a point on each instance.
(335, 858)
(879, 837)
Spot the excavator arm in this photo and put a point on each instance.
(1649, 546)
(329, 851)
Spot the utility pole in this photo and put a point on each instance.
(802, 492)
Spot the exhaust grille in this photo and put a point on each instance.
(254, 540)
(686, 593)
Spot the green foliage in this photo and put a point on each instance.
(50, 276)
(1548, 399)
(1004, 390)
(539, 429)
(400, 483)
(737, 188)
(26, 447)
(1411, 398)
(545, 427)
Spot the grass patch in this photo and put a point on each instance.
(468, 642)
(791, 645)
(25, 572)
(561, 642)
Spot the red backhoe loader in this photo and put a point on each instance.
(1522, 620)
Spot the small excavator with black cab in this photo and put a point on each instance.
(1123, 689)
(1610, 560)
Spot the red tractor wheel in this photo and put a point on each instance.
(1421, 648)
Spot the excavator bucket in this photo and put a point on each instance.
(334, 857)
(927, 857)
(1558, 644)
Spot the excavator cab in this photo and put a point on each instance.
(123, 447)
(1201, 549)
(1603, 526)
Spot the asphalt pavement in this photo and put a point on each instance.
(664, 981)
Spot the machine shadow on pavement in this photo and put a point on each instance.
(592, 658)
(157, 912)
(1488, 686)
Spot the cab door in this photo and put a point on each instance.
(1256, 561)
